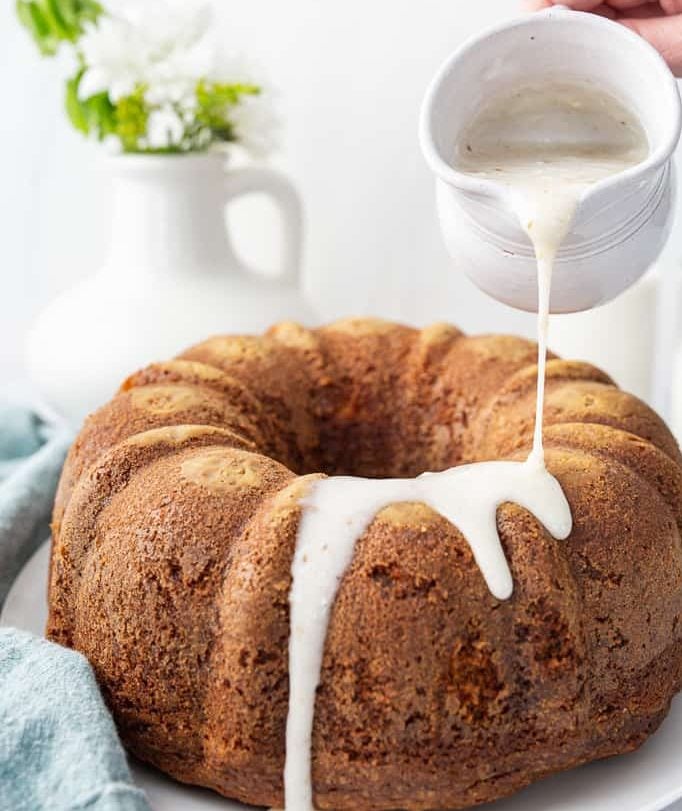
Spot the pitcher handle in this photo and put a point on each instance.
(252, 179)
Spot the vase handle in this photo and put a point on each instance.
(253, 179)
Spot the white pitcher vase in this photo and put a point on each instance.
(171, 278)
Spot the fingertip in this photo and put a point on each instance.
(578, 5)
(535, 5)
(595, 6)
(664, 33)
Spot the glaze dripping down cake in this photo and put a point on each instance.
(175, 526)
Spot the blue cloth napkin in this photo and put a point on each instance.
(58, 745)
(59, 750)
(32, 452)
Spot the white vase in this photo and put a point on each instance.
(171, 278)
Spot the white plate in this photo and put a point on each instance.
(648, 780)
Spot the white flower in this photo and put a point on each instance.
(229, 68)
(112, 145)
(256, 125)
(162, 45)
(110, 68)
(165, 48)
(165, 128)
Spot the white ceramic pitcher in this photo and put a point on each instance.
(171, 278)
(621, 223)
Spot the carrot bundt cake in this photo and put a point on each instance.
(175, 531)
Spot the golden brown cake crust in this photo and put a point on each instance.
(175, 526)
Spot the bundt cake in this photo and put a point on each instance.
(175, 527)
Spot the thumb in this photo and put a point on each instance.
(664, 33)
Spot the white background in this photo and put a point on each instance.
(351, 76)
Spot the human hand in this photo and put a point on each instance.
(658, 22)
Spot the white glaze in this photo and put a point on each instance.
(546, 175)
(337, 512)
(547, 143)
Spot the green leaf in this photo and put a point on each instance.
(75, 109)
(80, 12)
(58, 24)
(101, 115)
(96, 114)
(89, 10)
(34, 18)
(130, 117)
(24, 14)
(215, 101)
(68, 11)
(52, 22)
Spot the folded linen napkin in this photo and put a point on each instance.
(32, 451)
(59, 750)
(58, 746)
